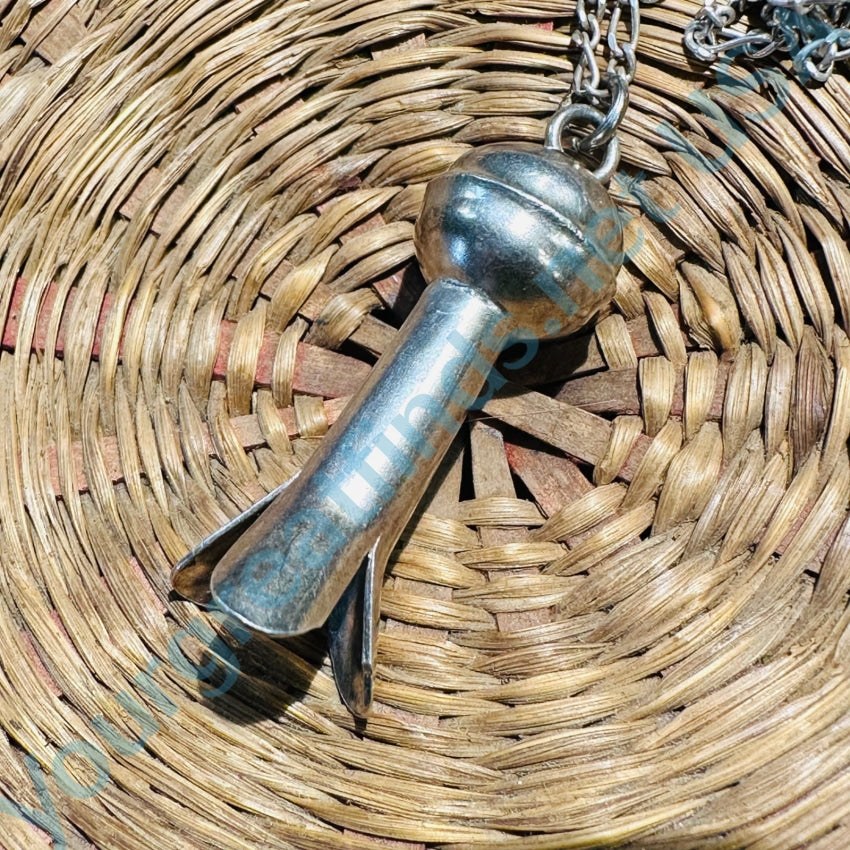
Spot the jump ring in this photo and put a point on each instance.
(582, 111)
(607, 127)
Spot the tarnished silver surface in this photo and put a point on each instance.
(521, 244)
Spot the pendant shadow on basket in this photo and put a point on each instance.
(258, 678)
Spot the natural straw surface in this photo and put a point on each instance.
(620, 618)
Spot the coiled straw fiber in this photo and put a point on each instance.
(620, 619)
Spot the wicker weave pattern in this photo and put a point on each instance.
(620, 619)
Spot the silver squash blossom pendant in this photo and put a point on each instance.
(519, 243)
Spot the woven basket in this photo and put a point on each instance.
(620, 618)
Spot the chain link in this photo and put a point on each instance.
(589, 83)
(816, 33)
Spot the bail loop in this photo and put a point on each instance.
(561, 121)
(607, 127)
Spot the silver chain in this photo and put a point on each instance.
(815, 33)
(598, 98)
(591, 17)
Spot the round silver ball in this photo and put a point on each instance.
(530, 227)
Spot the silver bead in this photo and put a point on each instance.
(528, 226)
